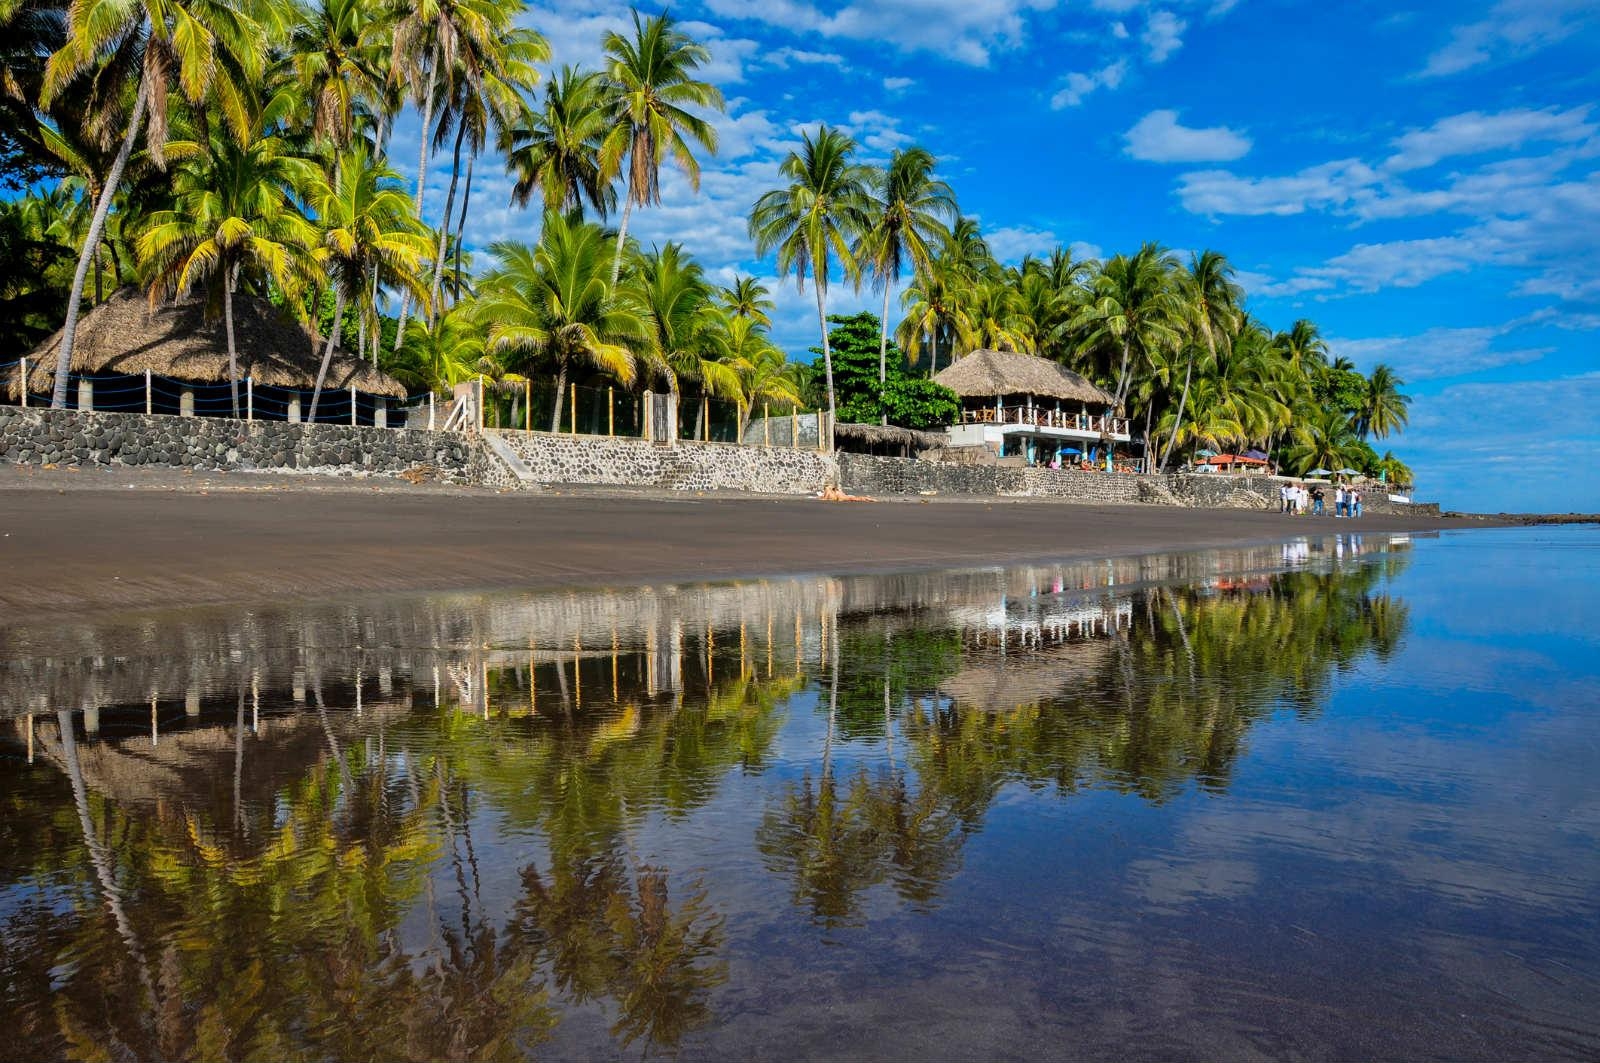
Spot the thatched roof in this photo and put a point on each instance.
(123, 335)
(889, 435)
(990, 373)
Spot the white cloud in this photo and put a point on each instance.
(894, 84)
(961, 30)
(1078, 85)
(1474, 132)
(1512, 29)
(1438, 352)
(1159, 137)
(1119, 30)
(1163, 35)
(1010, 243)
(1327, 185)
(783, 57)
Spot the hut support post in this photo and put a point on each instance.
(186, 403)
(380, 412)
(24, 379)
(294, 409)
(611, 412)
(149, 405)
(85, 393)
(352, 405)
(249, 398)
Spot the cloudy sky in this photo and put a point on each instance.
(1423, 180)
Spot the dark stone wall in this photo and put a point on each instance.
(69, 437)
(870, 475)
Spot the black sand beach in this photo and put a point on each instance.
(72, 541)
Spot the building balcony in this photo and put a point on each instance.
(1049, 422)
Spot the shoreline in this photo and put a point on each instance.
(72, 542)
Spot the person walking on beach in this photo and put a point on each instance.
(1338, 501)
(1283, 497)
(1316, 501)
(1355, 503)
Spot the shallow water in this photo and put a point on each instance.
(1324, 799)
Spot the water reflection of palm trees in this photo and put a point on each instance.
(307, 864)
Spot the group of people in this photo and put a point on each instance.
(1295, 500)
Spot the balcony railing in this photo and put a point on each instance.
(1035, 417)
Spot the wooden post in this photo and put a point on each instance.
(294, 409)
(85, 393)
(705, 417)
(766, 425)
(24, 379)
(794, 428)
(186, 403)
(822, 437)
(527, 402)
(572, 389)
(611, 411)
(352, 405)
(430, 411)
(479, 401)
(249, 398)
(380, 411)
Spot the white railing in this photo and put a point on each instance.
(1035, 417)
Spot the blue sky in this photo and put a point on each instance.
(1422, 180)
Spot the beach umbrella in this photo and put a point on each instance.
(1348, 472)
(1259, 455)
(1319, 472)
(1074, 451)
(1205, 453)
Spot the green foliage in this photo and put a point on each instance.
(910, 401)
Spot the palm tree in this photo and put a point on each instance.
(908, 210)
(1212, 300)
(554, 302)
(672, 290)
(996, 321)
(1303, 344)
(337, 67)
(747, 298)
(818, 217)
(1383, 407)
(558, 149)
(1133, 308)
(449, 352)
(366, 229)
(210, 49)
(937, 311)
(233, 211)
(486, 98)
(652, 84)
(760, 367)
(1324, 439)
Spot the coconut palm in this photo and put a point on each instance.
(937, 311)
(554, 303)
(1383, 407)
(449, 352)
(747, 298)
(1212, 300)
(908, 212)
(653, 87)
(1303, 344)
(557, 150)
(1133, 308)
(996, 319)
(336, 64)
(815, 219)
(759, 366)
(684, 336)
(233, 213)
(366, 229)
(208, 49)
(1323, 440)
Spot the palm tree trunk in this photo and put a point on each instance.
(1177, 423)
(827, 355)
(1122, 374)
(91, 241)
(444, 224)
(99, 277)
(883, 353)
(622, 236)
(228, 278)
(327, 353)
(461, 225)
(422, 178)
(561, 389)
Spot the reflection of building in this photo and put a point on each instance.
(1020, 406)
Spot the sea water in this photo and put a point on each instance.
(1326, 798)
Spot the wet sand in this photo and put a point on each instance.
(99, 539)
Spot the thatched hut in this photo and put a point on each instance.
(183, 352)
(889, 440)
(1022, 406)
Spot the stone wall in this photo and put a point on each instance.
(688, 466)
(871, 475)
(70, 437)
